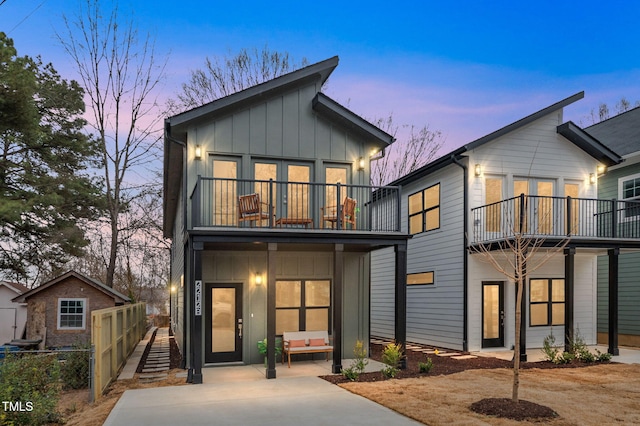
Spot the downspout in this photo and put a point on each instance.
(167, 133)
(465, 261)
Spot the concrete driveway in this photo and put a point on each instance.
(242, 396)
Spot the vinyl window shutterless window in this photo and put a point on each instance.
(303, 305)
(546, 302)
(72, 314)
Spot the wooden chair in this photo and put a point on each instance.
(250, 208)
(347, 213)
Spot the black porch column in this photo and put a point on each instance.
(196, 334)
(569, 278)
(271, 311)
(401, 300)
(338, 263)
(613, 301)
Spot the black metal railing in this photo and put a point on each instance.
(559, 217)
(215, 202)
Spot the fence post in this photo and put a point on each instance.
(92, 371)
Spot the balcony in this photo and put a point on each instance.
(556, 217)
(293, 206)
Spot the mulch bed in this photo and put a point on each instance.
(443, 365)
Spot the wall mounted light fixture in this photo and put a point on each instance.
(478, 170)
(258, 278)
(360, 164)
(592, 178)
(198, 152)
(602, 169)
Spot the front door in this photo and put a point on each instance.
(223, 319)
(492, 314)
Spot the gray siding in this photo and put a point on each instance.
(629, 269)
(434, 312)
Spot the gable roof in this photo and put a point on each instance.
(15, 287)
(117, 296)
(589, 145)
(620, 133)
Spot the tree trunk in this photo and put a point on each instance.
(516, 351)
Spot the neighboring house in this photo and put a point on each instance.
(59, 311)
(13, 316)
(268, 205)
(471, 196)
(622, 182)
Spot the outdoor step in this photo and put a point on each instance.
(464, 357)
(449, 354)
(152, 376)
(154, 370)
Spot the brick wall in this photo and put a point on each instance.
(44, 304)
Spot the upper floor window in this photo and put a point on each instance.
(424, 210)
(72, 313)
(629, 190)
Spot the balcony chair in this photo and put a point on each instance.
(250, 208)
(347, 213)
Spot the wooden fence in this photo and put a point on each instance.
(115, 332)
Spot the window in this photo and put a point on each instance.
(546, 302)
(493, 196)
(71, 313)
(420, 278)
(303, 305)
(629, 190)
(424, 210)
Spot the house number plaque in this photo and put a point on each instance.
(198, 301)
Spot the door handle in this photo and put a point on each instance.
(240, 328)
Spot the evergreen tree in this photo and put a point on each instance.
(45, 190)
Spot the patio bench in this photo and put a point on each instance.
(305, 342)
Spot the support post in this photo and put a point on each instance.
(569, 278)
(523, 305)
(401, 300)
(338, 272)
(613, 301)
(196, 335)
(271, 310)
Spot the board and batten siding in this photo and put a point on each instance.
(434, 312)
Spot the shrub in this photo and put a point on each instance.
(425, 367)
(75, 367)
(549, 348)
(391, 356)
(603, 356)
(564, 358)
(34, 381)
(359, 363)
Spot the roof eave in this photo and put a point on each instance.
(335, 112)
(588, 143)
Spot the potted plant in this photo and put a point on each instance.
(262, 348)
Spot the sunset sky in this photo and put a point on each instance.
(461, 67)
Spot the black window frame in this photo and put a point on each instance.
(433, 279)
(302, 309)
(424, 210)
(549, 302)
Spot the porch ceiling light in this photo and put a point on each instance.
(360, 164)
(198, 152)
(478, 170)
(592, 178)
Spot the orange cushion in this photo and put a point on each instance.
(297, 343)
(316, 342)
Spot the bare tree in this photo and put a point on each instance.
(406, 155)
(517, 249)
(120, 73)
(623, 105)
(230, 74)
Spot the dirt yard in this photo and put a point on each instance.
(595, 395)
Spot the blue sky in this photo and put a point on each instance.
(465, 68)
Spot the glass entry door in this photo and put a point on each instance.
(223, 322)
(492, 314)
